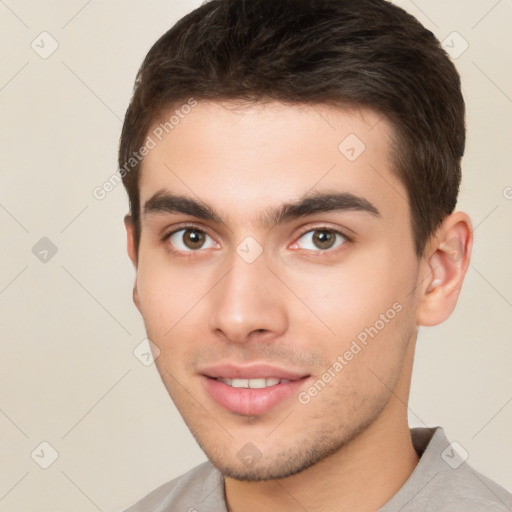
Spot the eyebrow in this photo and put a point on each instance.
(309, 204)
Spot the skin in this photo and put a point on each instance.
(298, 306)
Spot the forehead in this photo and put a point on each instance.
(243, 158)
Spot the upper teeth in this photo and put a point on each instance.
(253, 383)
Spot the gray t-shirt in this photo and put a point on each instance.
(441, 482)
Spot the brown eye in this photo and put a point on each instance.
(193, 239)
(322, 239)
(189, 239)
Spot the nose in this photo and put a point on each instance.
(247, 300)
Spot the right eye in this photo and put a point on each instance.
(189, 240)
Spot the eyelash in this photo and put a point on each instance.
(190, 254)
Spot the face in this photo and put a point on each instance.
(275, 274)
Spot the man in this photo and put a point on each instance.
(293, 168)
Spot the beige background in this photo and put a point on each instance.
(68, 375)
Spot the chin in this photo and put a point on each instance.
(274, 464)
(259, 471)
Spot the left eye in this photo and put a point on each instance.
(322, 239)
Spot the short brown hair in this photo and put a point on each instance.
(358, 53)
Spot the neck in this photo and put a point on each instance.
(362, 475)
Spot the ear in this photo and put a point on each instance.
(131, 247)
(444, 265)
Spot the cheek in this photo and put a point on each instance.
(166, 293)
(363, 313)
(169, 303)
(348, 298)
(363, 369)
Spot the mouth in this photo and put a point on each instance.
(260, 383)
(251, 390)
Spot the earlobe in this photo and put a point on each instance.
(444, 270)
(136, 298)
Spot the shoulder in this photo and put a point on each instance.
(443, 481)
(201, 487)
(466, 490)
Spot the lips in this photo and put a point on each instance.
(253, 383)
(251, 390)
(253, 371)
